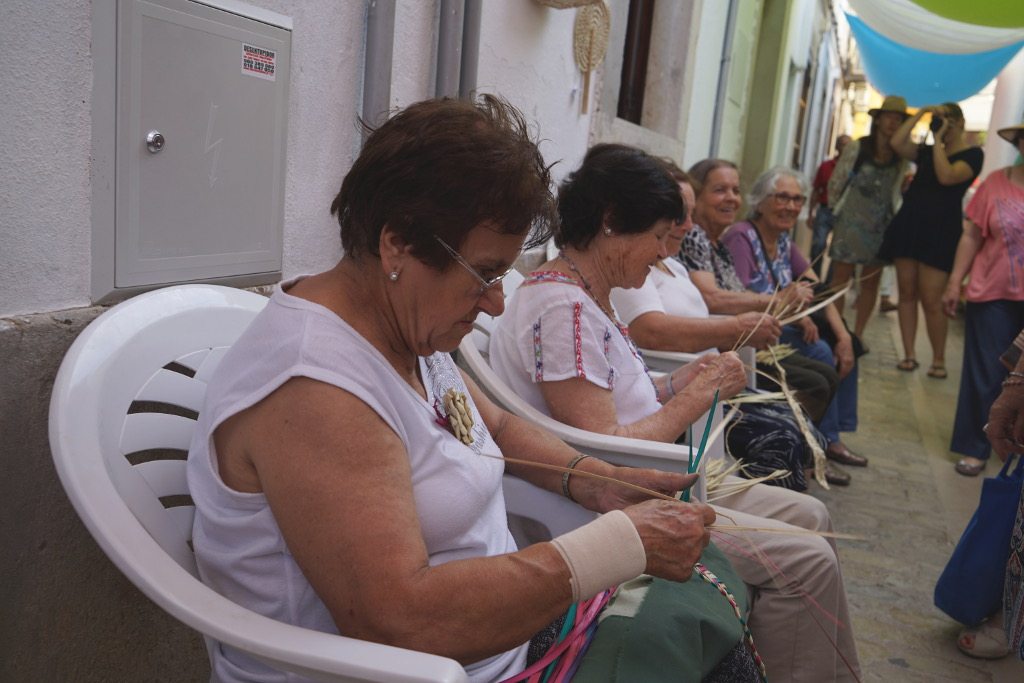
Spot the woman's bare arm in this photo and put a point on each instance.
(664, 332)
(901, 142)
(338, 482)
(724, 301)
(582, 404)
(657, 330)
(966, 249)
(522, 440)
(843, 348)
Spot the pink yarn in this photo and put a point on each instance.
(576, 639)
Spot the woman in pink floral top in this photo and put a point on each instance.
(991, 251)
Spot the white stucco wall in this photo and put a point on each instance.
(414, 63)
(323, 139)
(526, 54)
(45, 143)
(46, 110)
(707, 55)
(45, 191)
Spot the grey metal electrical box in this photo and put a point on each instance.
(200, 128)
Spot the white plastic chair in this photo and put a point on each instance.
(666, 361)
(121, 418)
(474, 352)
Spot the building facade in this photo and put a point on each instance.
(755, 81)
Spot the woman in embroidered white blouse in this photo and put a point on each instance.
(561, 348)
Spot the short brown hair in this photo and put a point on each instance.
(625, 186)
(700, 171)
(953, 110)
(442, 167)
(678, 174)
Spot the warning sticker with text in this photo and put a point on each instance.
(258, 62)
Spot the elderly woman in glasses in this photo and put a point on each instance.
(561, 347)
(766, 259)
(716, 183)
(347, 476)
(713, 271)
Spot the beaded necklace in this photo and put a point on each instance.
(615, 321)
(589, 290)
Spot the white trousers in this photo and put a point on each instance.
(795, 604)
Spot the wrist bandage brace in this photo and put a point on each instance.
(601, 554)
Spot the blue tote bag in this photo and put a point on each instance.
(1013, 593)
(971, 586)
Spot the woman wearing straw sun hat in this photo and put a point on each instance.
(991, 251)
(864, 193)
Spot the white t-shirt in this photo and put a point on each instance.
(670, 293)
(552, 330)
(238, 545)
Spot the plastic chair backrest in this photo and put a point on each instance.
(128, 395)
(122, 415)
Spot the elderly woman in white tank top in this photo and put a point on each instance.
(332, 490)
(562, 348)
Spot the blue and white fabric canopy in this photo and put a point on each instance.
(928, 59)
(910, 25)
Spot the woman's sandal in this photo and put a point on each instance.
(969, 469)
(987, 641)
(937, 372)
(908, 365)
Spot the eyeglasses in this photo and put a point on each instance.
(486, 283)
(784, 198)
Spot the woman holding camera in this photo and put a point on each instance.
(923, 236)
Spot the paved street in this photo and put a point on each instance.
(911, 507)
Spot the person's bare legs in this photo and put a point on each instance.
(906, 286)
(841, 274)
(869, 279)
(886, 287)
(931, 283)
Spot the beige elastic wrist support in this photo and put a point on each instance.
(601, 554)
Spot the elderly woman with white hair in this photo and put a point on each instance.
(766, 259)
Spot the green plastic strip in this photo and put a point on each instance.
(567, 625)
(694, 463)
